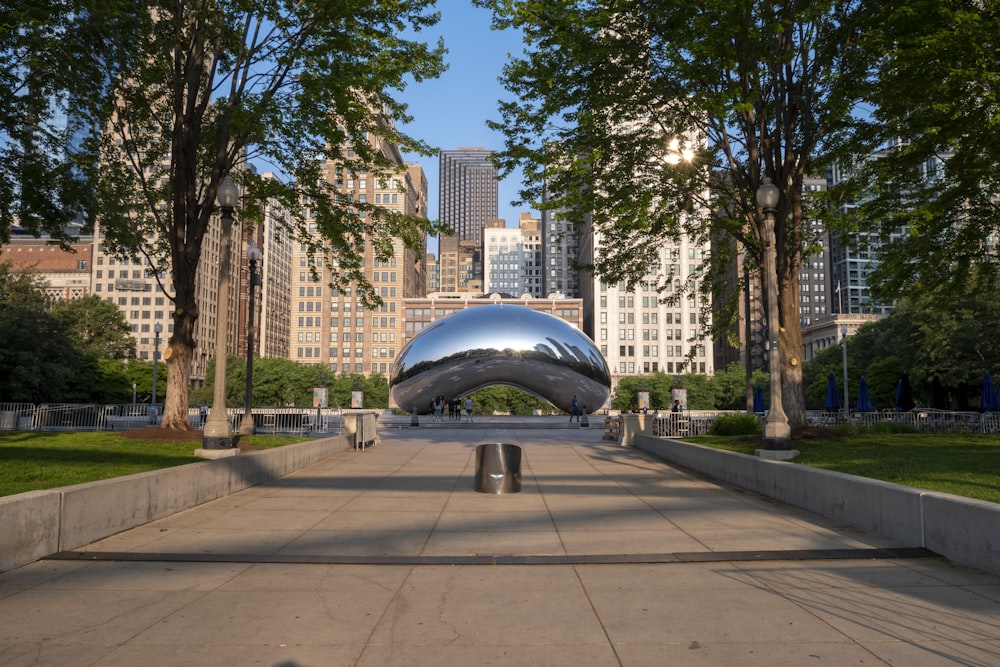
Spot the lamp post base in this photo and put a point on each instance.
(785, 454)
(217, 442)
(247, 425)
(780, 441)
(216, 453)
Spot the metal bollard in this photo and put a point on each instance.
(498, 468)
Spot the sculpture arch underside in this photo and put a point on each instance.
(500, 344)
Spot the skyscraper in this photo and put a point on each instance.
(468, 191)
(468, 194)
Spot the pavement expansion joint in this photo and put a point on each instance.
(504, 559)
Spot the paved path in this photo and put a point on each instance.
(389, 557)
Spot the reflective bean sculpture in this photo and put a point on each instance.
(500, 344)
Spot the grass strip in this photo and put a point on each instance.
(37, 460)
(964, 465)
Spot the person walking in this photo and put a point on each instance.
(575, 404)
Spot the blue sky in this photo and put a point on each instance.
(452, 110)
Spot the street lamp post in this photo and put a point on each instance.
(218, 433)
(157, 329)
(247, 426)
(777, 433)
(843, 337)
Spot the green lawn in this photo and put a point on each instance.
(964, 465)
(34, 460)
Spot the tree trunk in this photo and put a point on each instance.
(790, 344)
(180, 344)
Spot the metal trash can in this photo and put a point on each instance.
(498, 468)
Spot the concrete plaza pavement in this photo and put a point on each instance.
(607, 556)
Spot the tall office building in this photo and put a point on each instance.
(145, 297)
(467, 198)
(636, 333)
(330, 326)
(273, 301)
(468, 191)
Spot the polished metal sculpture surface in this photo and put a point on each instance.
(500, 344)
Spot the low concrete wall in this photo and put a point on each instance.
(966, 531)
(40, 523)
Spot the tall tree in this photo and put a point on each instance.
(37, 356)
(618, 96)
(208, 88)
(53, 87)
(936, 101)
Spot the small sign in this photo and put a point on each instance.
(642, 398)
(357, 399)
(320, 395)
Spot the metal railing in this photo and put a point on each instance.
(128, 416)
(304, 420)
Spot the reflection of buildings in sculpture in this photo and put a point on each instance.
(421, 312)
(331, 327)
(512, 257)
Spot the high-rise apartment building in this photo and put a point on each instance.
(512, 257)
(433, 270)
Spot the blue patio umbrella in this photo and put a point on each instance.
(832, 403)
(864, 396)
(987, 396)
(758, 399)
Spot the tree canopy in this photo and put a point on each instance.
(652, 120)
(930, 192)
(180, 95)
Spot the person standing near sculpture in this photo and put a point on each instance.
(468, 409)
(576, 409)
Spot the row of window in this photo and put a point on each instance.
(345, 337)
(315, 352)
